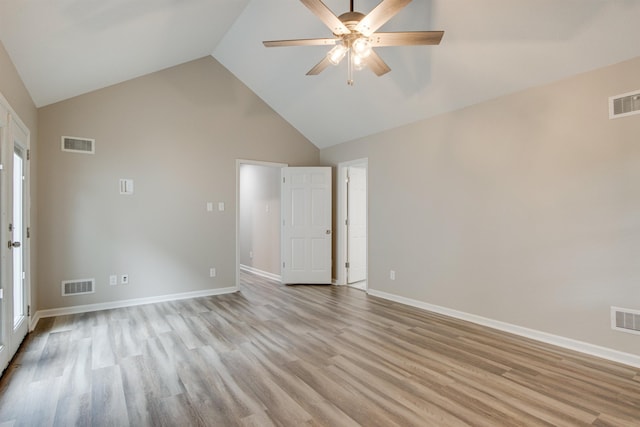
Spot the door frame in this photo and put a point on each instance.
(341, 229)
(240, 162)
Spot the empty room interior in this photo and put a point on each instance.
(320, 213)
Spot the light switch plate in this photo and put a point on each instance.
(221, 206)
(126, 186)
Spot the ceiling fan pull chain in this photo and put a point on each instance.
(349, 69)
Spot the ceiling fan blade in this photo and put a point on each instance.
(406, 38)
(327, 16)
(376, 64)
(319, 67)
(386, 10)
(300, 42)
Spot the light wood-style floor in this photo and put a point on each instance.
(302, 355)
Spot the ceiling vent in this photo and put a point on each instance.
(624, 105)
(625, 320)
(78, 145)
(78, 287)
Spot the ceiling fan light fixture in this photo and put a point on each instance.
(357, 61)
(362, 47)
(336, 54)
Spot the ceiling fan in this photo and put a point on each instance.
(355, 36)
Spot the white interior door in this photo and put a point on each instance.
(15, 260)
(356, 224)
(306, 225)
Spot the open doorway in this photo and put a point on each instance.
(352, 219)
(258, 218)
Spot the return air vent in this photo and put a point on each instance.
(625, 320)
(624, 105)
(78, 287)
(78, 145)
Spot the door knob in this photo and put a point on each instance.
(13, 244)
(328, 231)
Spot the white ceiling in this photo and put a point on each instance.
(63, 48)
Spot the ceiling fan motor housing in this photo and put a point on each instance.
(350, 20)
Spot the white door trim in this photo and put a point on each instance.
(341, 229)
(240, 162)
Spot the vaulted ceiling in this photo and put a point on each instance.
(63, 48)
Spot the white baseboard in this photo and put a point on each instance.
(259, 272)
(568, 343)
(40, 314)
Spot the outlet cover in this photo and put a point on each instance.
(392, 274)
(124, 279)
(113, 280)
(212, 272)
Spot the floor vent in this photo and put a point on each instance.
(78, 287)
(624, 105)
(625, 320)
(78, 145)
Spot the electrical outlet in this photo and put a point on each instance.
(250, 254)
(212, 272)
(124, 279)
(113, 280)
(392, 274)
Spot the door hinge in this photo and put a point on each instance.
(346, 221)
(28, 232)
(28, 310)
(346, 265)
(28, 154)
(283, 179)
(283, 265)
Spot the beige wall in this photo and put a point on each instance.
(524, 209)
(177, 134)
(260, 217)
(14, 91)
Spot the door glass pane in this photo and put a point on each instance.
(18, 225)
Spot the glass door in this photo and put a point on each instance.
(4, 293)
(14, 268)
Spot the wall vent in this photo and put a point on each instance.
(625, 320)
(624, 105)
(78, 145)
(78, 287)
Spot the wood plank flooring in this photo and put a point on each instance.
(302, 356)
